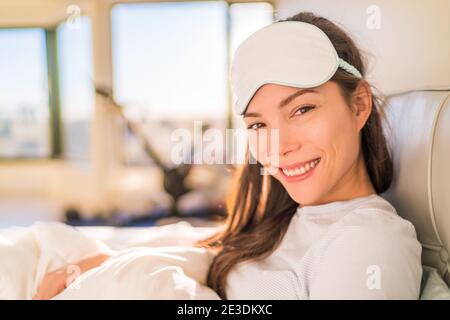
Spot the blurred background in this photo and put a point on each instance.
(91, 92)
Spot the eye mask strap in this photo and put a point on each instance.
(349, 68)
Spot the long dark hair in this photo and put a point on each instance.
(259, 207)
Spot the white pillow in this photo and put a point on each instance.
(433, 286)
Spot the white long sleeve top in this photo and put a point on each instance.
(355, 249)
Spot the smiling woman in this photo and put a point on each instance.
(318, 129)
(316, 227)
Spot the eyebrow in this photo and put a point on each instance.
(284, 102)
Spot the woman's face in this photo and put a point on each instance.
(318, 152)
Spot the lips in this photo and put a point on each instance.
(299, 171)
(299, 164)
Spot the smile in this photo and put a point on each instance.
(300, 170)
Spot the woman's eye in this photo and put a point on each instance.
(304, 109)
(255, 126)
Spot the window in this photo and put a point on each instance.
(24, 101)
(31, 59)
(76, 87)
(170, 64)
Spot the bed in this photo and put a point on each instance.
(146, 263)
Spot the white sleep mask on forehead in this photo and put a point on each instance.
(290, 53)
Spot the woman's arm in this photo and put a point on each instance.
(56, 281)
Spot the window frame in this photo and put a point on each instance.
(55, 124)
(56, 132)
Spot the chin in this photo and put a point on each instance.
(304, 198)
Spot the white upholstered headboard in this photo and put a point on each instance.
(420, 146)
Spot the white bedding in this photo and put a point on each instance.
(147, 263)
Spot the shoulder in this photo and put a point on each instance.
(376, 217)
(371, 238)
(373, 231)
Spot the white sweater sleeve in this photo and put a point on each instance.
(369, 263)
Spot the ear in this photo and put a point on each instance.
(362, 103)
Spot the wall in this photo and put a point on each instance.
(409, 51)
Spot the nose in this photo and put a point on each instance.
(275, 144)
(288, 140)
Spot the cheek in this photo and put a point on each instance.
(336, 142)
(338, 137)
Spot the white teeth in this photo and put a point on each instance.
(301, 170)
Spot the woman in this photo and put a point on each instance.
(315, 226)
